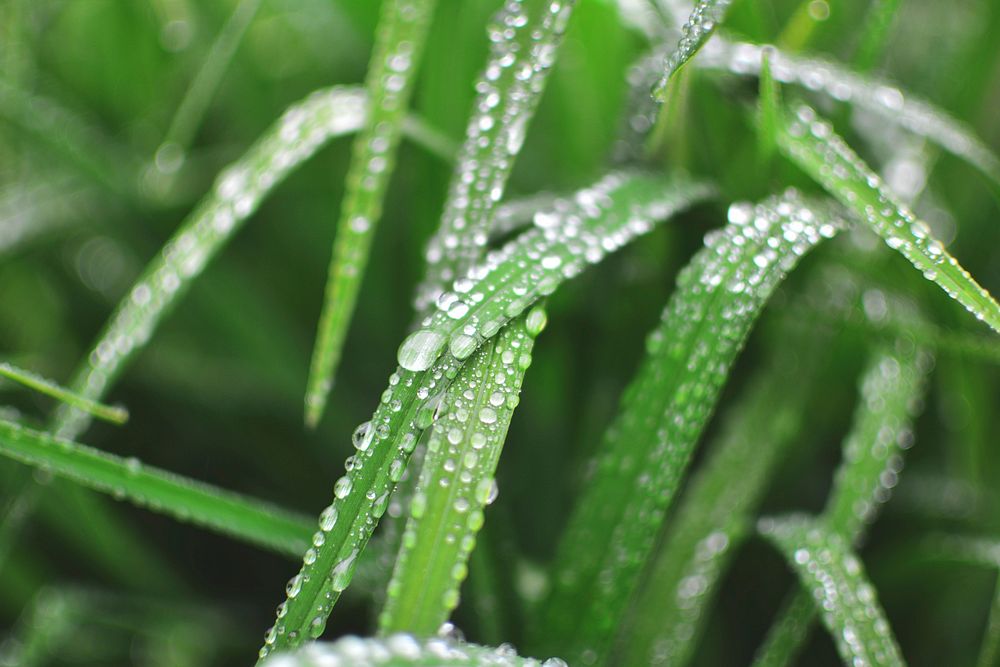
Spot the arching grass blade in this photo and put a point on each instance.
(704, 19)
(113, 414)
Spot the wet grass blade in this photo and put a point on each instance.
(302, 130)
(811, 143)
(768, 111)
(704, 19)
(239, 516)
(880, 97)
(828, 568)
(648, 446)
(399, 42)
(403, 650)
(113, 414)
(597, 220)
(457, 481)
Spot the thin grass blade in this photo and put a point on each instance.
(768, 111)
(605, 216)
(829, 570)
(109, 413)
(811, 143)
(647, 448)
(239, 516)
(403, 650)
(399, 42)
(704, 19)
(875, 33)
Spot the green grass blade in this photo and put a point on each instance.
(604, 216)
(239, 516)
(768, 111)
(113, 414)
(302, 130)
(524, 41)
(832, 573)
(704, 19)
(457, 482)
(811, 143)
(717, 513)
(399, 42)
(880, 97)
(875, 33)
(647, 448)
(403, 650)
(891, 388)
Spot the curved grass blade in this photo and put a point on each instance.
(233, 514)
(833, 575)
(880, 97)
(399, 42)
(891, 389)
(717, 512)
(705, 17)
(603, 217)
(302, 130)
(457, 481)
(524, 41)
(110, 413)
(811, 143)
(403, 650)
(647, 448)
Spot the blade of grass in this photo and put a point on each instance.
(875, 33)
(768, 110)
(833, 575)
(457, 482)
(113, 414)
(704, 19)
(647, 448)
(399, 41)
(880, 97)
(239, 516)
(811, 143)
(402, 650)
(605, 216)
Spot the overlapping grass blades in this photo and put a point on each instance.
(811, 143)
(457, 481)
(890, 393)
(833, 575)
(599, 219)
(302, 130)
(239, 516)
(647, 448)
(399, 43)
(704, 19)
(110, 413)
(403, 650)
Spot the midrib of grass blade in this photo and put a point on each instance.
(524, 40)
(881, 97)
(239, 516)
(404, 650)
(605, 216)
(457, 481)
(835, 579)
(113, 414)
(705, 17)
(399, 43)
(811, 143)
(717, 513)
(302, 130)
(891, 387)
(647, 448)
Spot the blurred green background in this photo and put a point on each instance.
(90, 88)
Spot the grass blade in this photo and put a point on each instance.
(113, 414)
(456, 482)
(705, 17)
(875, 34)
(832, 573)
(768, 111)
(606, 215)
(880, 97)
(399, 44)
(302, 130)
(403, 650)
(811, 143)
(647, 448)
(248, 519)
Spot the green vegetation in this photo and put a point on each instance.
(620, 490)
